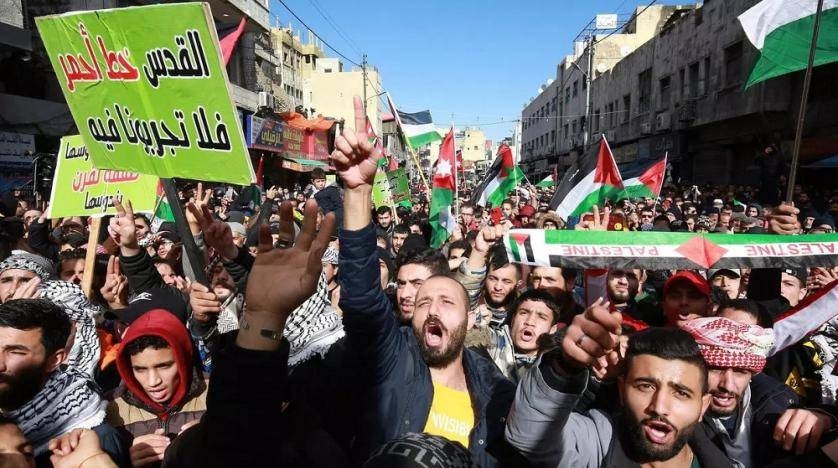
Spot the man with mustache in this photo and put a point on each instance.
(662, 388)
(421, 379)
(750, 415)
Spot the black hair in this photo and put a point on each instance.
(144, 342)
(753, 309)
(143, 217)
(537, 295)
(669, 344)
(383, 210)
(74, 239)
(72, 254)
(461, 244)
(29, 314)
(318, 173)
(507, 201)
(429, 258)
(401, 229)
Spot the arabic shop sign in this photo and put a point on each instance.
(148, 90)
(16, 150)
(319, 145)
(80, 189)
(293, 140)
(264, 134)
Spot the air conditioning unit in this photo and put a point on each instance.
(663, 121)
(645, 128)
(267, 100)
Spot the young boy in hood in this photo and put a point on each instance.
(162, 393)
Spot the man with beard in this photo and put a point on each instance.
(663, 390)
(499, 290)
(44, 400)
(750, 415)
(421, 378)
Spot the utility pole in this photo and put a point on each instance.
(587, 135)
(364, 69)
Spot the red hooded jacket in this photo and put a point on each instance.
(164, 324)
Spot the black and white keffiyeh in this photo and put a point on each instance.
(313, 327)
(84, 355)
(25, 261)
(68, 400)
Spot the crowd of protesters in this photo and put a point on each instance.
(325, 333)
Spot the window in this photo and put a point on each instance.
(626, 107)
(644, 80)
(704, 88)
(733, 64)
(552, 136)
(584, 84)
(575, 88)
(566, 133)
(665, 92)
(682, 80)
(573, 127)
(567, 95)
(693, 91)
(596, 120)
(328, 70)
(554, 105)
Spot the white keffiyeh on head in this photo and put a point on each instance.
(68, 400)
(84, 355)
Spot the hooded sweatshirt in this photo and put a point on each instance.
(133, 412)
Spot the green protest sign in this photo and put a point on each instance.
(80, 189)
(148, 90)
(398, 185)
(390, 188)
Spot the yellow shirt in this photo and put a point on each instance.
(451, 415)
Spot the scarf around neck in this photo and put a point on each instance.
(68, 400)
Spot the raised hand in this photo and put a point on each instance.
(800, 430)
(123, 230)
(592, 335)
(217, 233)
(599, 223)
(28, 290)
(115, 289)
(282, 279)
(204, 303)
(272, 192)
(783, 220)
(201, 199)
(355, 158)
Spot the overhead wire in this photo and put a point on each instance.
(334, 26)
(317, 35)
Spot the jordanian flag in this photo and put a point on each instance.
(782, 31)
(669, 250)
(418, 128)
(499, 180)
(596, 180)
(442, 217)
(648, 184)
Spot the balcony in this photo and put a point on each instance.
(232, 10)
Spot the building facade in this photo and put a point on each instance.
(682, 93)
(332, 90)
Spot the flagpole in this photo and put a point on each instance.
(456, 177)
(407, 143)
(801, 116)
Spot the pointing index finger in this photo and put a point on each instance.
(360, 116)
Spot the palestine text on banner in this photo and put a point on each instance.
(80, 189)
(592, 182)
(782, 32)
(662, 251)
(148, 90)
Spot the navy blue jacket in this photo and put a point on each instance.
(400, 388)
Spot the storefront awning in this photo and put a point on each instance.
(303, 165)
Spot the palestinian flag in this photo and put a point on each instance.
(418, 127)
(162, 211)
(593, 182)
(442, 217)
(499, 180)
(782, 32)
(669, 250)
(649, 183)
(546, 182)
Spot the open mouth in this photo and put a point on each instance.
(527, 335)
(433, 334)
(723, 400)
(658, 432)
(157, 394)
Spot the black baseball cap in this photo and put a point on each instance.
(160, 297)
